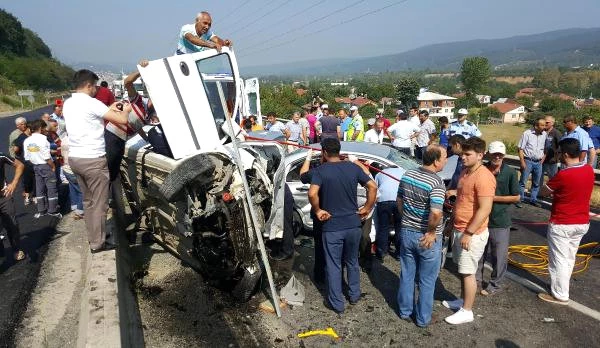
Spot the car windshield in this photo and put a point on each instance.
(401, 159)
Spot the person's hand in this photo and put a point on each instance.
(227, 43)
(450, 193)
(465, 241)
(127, 108)
(427, 240)
(9, 189)
(144, 63)
(218, 46)
(323, 215)
(523, 165)
(363, 212)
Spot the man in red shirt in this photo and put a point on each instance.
(104, 94)
(569, 219)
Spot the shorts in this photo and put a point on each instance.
(467, 260)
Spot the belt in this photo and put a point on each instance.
(533, 160)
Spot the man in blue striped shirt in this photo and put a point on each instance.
(420, 200)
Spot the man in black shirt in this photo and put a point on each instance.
(332, 195)
(7, 205)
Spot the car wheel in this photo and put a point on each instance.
(297, 224)
(188, 170)
(246, 286)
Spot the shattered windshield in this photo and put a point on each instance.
(401, 159)
(219, 84)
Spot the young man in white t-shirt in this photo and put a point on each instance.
(85, 117)
(402, 133)
(37, 151)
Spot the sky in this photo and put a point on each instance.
(268, 32)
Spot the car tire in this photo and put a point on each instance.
(188, 170)
(246, 286)
(297, 224)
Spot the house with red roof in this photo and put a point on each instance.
(511, 112)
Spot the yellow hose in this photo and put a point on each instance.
(538, 254)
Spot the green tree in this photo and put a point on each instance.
(488, 112)
(526, 101)
(551, 104)
(407, 91)
(466, 102)
(474, 73)
(12, 37)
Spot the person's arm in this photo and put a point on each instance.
(286, 132)
(435, 216)
(483, 212)
(118, 116)
(371, 188)
(313, 198)
(591, 154)
(220, 41)
(522, 159)
(303, 135)
(545, 191)
(130, 79)
(196, 40)
(306, 165)
(507, 199)
(19, 168)
(400, 205)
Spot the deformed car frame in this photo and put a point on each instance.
(198, 203)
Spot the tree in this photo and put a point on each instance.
(466, 102)
(407, 91)
(489, 112)
(526, 101)
(550, 104)
(474, 73)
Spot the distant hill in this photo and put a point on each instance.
(568, 47)
(26, 61)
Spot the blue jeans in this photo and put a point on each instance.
(342, 246)
(75, 195)
(535, 169)
(386, 211)
(426, 263)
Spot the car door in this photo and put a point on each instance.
(193, 95)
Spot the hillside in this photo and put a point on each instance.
(26, 62)
(569, 47)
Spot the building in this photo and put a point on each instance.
(347, 102)
(511, 112)
(436, 104)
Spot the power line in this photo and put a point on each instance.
(252, 22)
(282, 20)
(325, 29)
(306, 24)
(235, 10)
(261, 17)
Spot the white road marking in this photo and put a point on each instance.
(533, 286)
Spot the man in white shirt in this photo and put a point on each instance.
(85, 117)
(198, 36)
(375, 134)
(427, 133)
(37, 151)
(402, 133)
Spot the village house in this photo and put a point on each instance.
(347, 102)
(436, 104)
(511, 112)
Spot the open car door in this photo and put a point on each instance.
(252, 99)
(192, 95)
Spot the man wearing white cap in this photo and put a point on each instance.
(464, 127)
(507, 193)
(356, 129)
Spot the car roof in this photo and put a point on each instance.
(357, 147)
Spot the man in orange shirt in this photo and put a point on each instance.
(474, 198)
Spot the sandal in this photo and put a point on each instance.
(77, 216)
(19, 255)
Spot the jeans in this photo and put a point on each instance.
(550, 169)
(425, 263)
(45, 189)
(386, 211)
(535, 169)
(75, 195)
(342, 246)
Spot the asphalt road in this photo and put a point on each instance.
(17, 280)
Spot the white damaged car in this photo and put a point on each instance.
(202, 193)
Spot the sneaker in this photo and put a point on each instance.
(34, 200)
(38, 215)
(518, 205)
(536, 204)
(26, 201)
(453, 304)
(56, 215)
(460, 317)
(549, 298)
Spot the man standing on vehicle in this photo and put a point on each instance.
(85, 117)
(507, 193)
(402, 133)
(532, 151)
(356, 129)
(332, 195)
(571, 190)
(474, 199)
(198, 37)
(420, 201)
(464, 127)
(426, 135)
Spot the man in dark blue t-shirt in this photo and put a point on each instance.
(332, 195)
